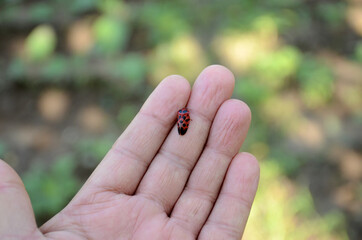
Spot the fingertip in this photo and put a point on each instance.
(238, 109)
(248, 163)
(243, 176)
(230, 126)
(219, 75)
(15, 207)
(221, 71)
(245, 109)
(213, 86)
(178, 84)
(171, 94)
(8, 174)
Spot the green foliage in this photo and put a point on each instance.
(16, 69)
(127, 113)
(2, 149)
(276, 49)
(41, 43)
(285, 211)
(274, 69)
(332, 12)
(288, 162)
(50, 189)
(56, 68)
(317, 83)
(91, 151)
(164, 21)
(358, 52)
(111, 34)
(251, 90)
(132, 68)
(83, 5)
(113, 7)
(41, 12)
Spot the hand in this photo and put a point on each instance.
(154, 183)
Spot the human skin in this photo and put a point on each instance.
(154, 183)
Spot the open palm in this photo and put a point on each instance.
(154, 183)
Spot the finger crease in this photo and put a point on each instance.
(177, 159)
(157, 119)
(209, 196)
(132, 155)
(8, 185)
(185, 222)
(218, 151)
(239, 199)
(156, 199)
(201, 115)
(229, 229)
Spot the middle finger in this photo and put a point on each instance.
(171, 167)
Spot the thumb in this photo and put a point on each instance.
(16, 214)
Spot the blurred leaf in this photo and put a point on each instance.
(78, 65)
(111, 34)
(303, 204)
(285, 211)
(284, 3)
(113, 7)
(275, 68)
(9, 12)
(183, 55)
(92, 151)
(83, 5)
(282, 112)
(56, 68)
(40, 12)
(44, 185)
(126, 114)
(131, 68)
(12, 1)
(251, 91)
(317, 83)
(335, 221)
(16, 69)
(332, 12)
(258, 133)
(164, 21)
(240, 50)
(266, 25)
(2, 149)
(40, 43)
(288, 163)
(259, 149)
(358, 51)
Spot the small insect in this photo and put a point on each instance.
(183, 120)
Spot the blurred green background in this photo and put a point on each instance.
(73, 73)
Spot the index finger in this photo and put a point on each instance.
(125, 164)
